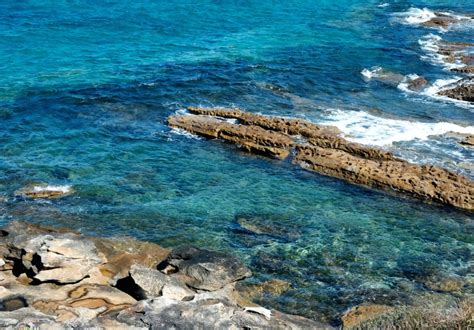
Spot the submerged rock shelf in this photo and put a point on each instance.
(320, 149)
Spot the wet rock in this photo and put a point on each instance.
(204, 269)
(363, 313)
(462, 90)
(44, 191)
(289, 126)
(468, 141)
(442, 21)
(274, 287)
(424, 181)
(326, 153)
(416, 84)
(464, 69)
(155, 284)
(249, 138)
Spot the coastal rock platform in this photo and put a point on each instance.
(52, 278)
(322, 149)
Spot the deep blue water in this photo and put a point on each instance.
(86, 87)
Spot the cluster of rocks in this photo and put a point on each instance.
(462, 90)
(445, 20)
(55, 278)
(321, 149)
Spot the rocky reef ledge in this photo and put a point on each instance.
(321, 149)
(52, 278)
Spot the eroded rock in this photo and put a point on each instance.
(323, 151)
(463, 90)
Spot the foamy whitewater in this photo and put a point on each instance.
(442, 84)
(362, 127)
(65, 189)
(430, 44)
(417, 16)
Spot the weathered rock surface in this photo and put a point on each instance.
(154, 284)
(462, 90)
(205, 270)
(424, 181)
(44, 191)
(416, 84)
(468, 140)
(323, 151)
(250, 138)
(95, 284)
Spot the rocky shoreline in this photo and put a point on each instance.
(55, 278)
(321, 149)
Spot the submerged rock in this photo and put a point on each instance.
(44, 191)
(358, 315)
(204, 269)
(323, 151)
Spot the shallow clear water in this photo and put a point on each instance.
(85, 89)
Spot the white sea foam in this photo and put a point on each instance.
(442, 84)
(365, 128)
(383, 5)
(62, 189)
(430, 44)
(405, 83)
(373, 72)
(182, 132)
(417, 16)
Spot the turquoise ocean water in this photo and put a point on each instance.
(86, 86)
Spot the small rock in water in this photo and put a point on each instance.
(417, 84)
(468, 141)
(44, 191)
(269, 226)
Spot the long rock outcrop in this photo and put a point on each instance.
(321, 149)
